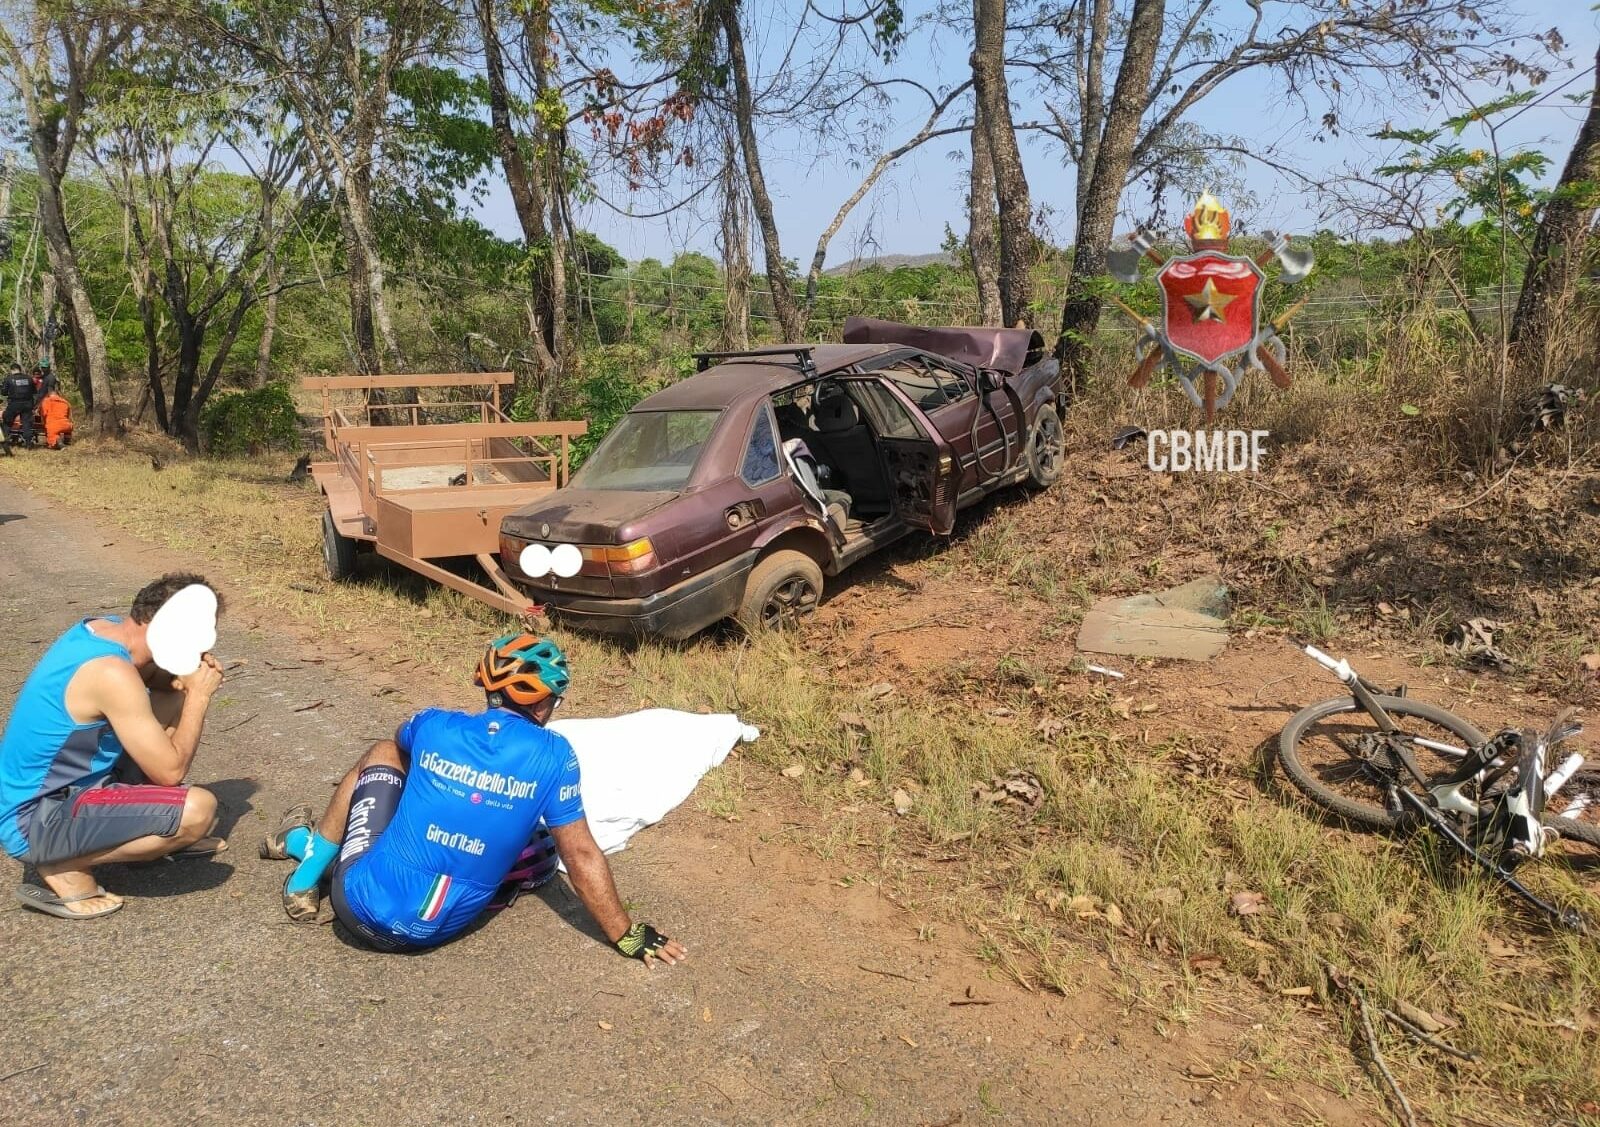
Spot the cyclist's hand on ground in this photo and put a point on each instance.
(203, 682)
(671, 952)
(645, 943)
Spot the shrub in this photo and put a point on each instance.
(250, 422)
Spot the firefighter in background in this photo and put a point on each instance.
(56, 414)
(21, 395)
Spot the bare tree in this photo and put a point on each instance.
(981, 222)
(1557, 256)
(335, 64)
(744, 114)
(1170, 58)
(52, 62)
(734, 242)
(1011, 182)
(534, 162)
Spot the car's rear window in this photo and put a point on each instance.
(648, 451)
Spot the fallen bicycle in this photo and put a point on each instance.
(1381, 760)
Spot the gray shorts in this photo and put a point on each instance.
(80, 821)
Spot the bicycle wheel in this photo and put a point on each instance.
(1320, 749)
(1574, 810)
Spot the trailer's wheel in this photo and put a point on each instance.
(781, 590)
(338, 550)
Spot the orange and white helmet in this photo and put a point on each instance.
(523, 669)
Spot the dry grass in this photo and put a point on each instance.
(1132, 857)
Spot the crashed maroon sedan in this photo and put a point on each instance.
(731, 494)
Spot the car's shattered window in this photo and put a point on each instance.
(761, 456)
(648, 451)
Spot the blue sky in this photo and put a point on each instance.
(908, 210)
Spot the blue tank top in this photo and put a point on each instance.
(478, 787)
(44, 749)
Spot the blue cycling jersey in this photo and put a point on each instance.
(477, 789)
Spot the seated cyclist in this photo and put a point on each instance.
(425, 827)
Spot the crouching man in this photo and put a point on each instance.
(99, 740)
(424, 829)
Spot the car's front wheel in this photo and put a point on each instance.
(1047, 449)
(782, 589)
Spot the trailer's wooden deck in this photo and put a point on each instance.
(425, 491)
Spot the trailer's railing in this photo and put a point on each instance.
(365, 453)
(468, 466)
(327, 385)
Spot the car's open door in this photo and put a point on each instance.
(922, 468)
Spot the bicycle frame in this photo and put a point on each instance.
(1450, 797)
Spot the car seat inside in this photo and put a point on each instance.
(845, 442)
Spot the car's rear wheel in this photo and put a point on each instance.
(1047, 449)
(338, 550)
(782, 589)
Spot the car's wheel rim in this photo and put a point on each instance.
(1047, 446)
(788, 603)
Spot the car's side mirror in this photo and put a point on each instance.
(990, 380)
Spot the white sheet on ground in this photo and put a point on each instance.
(637, 768)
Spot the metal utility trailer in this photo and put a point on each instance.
(421, 492)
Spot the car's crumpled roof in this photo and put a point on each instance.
(742, 377)
(1005, 350)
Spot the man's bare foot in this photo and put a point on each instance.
(76, 882)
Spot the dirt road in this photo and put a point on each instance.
(803, 1001)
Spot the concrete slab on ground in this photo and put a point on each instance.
(1188, 622)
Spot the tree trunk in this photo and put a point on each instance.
(981, 222)
(1558, 247)
(528, 195)
(1097, 208)
(88, 339)
(51, 132)
(1011, 182)
(783, 305)
(359, 279)
(152, 346)
(191, 337)
(269, 313)
(190, 427)
(735, 242)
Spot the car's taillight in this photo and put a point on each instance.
(510, 548)
(630, 559)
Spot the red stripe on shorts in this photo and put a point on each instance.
(131, 796)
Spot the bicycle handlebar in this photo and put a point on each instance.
(1339, 667)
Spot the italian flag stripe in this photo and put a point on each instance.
(434, 903)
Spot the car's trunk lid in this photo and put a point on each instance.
(586, 517)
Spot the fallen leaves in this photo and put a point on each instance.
(1248, 903)
(794, 770)
(1422, 1019)
(1017, 788)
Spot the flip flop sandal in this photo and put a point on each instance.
(274, 847)
(302, 907)
(43, 900)
(205, 847)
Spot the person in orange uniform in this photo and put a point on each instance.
(57, 415)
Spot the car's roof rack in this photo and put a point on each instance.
(704, 360)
